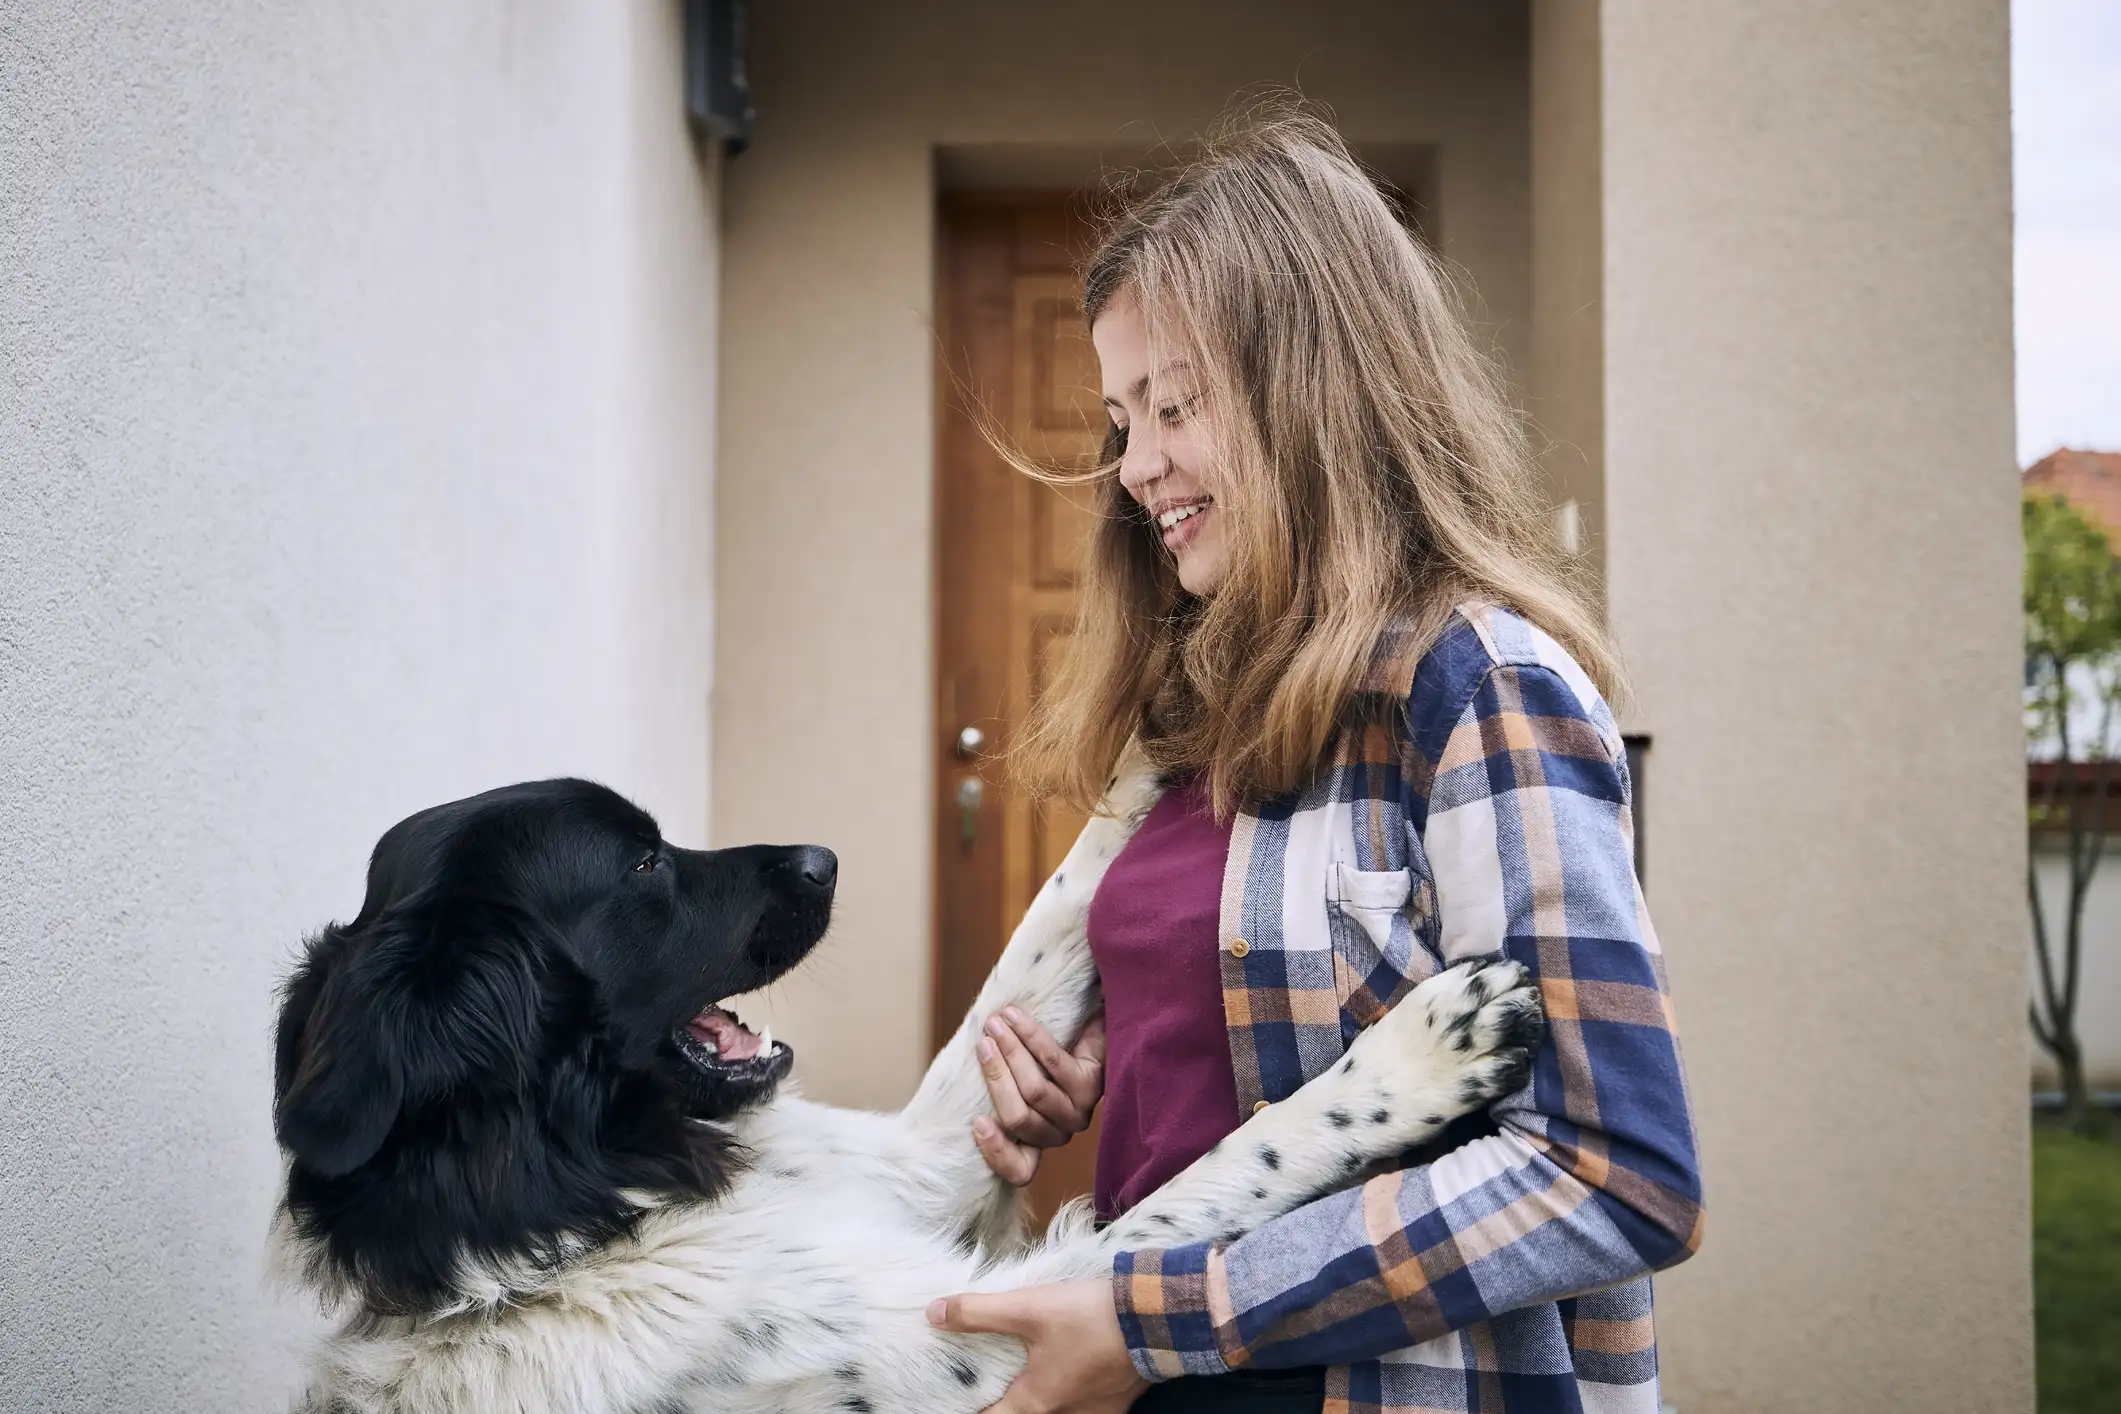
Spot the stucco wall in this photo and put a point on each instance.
(356, 394)
(1812, 556)
(824, 715)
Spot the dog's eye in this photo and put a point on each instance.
(648, 864)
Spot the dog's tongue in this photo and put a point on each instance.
(725, 1033)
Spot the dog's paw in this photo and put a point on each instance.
(1465, 1037)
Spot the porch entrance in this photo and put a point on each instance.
(1013, 352)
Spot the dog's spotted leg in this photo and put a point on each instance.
(1461, 1040)
(1046, 970)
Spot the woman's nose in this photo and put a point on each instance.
(1140, 466)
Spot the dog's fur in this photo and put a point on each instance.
(531, 1194)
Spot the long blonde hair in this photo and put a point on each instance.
(1369, 471)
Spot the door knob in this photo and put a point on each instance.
(970, 742)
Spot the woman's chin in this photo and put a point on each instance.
(1201, 562)
(1200, 576)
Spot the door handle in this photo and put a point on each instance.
(970, 791)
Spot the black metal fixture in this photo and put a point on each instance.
(717, 84)
(1638, 749)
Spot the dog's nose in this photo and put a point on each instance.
(819, 867)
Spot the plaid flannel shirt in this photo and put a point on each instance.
(1490, 815)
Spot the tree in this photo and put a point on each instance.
(2072, 691)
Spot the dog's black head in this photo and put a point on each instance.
(520, 1034)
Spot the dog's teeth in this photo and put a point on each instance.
(766, 1040)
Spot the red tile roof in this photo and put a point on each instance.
(2090, 481)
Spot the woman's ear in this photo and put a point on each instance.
(340, 1086)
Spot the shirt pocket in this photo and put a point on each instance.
(1373, 937)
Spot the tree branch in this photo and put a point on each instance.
(2040, 1033)
(2040, 947)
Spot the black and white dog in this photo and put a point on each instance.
(541, 1168)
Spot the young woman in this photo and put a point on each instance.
(1322, 597)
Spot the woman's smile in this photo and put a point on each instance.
(1182, 521)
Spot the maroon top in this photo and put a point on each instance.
(1170, 1093)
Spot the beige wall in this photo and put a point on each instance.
(1565, 392)
(823, 706)
(1812, 555)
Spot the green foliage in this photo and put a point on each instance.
(2077, 1270)
(2072, 611)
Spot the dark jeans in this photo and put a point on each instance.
(1300, 1391)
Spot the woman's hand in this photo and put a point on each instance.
(1078, 1359)
(1043, 1095)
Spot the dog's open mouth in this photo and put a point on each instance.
(731, 1063)
(727, 1039)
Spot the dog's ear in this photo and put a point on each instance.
(412, 1007)
(339, 1085)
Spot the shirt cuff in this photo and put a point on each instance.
(1165, 1304)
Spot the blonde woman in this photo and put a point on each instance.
(1323, 599)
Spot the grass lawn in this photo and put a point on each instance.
(2077, 1271)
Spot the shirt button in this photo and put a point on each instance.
(1260, 1105)
(1239, 947)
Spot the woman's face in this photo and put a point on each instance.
(1165, 466)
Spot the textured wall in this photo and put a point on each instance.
(355, 452)
(824, 709)
(1811, 504)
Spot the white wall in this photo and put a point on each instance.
(355, 453)
(2099, 982)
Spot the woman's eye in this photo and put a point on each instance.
(1174, 413)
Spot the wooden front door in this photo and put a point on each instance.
(1013, 351)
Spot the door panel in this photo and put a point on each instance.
(1008, 550)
